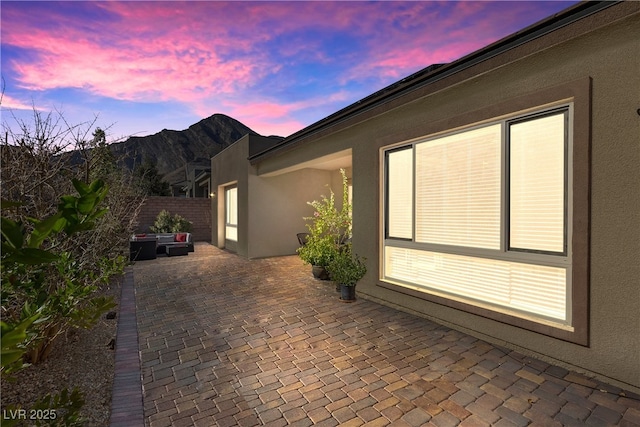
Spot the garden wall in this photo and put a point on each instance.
(195, 209)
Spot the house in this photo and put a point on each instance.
(191, 180)
(498, 194)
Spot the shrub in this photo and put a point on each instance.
(328, 228)
(346, 268)
(165, 223)
(65, 236)
(318, 250)
(45, 289)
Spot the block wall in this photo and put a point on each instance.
(195, 209)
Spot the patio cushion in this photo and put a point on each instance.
(165, 238)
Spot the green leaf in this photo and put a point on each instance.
(96, 185)
(67, 202)
(13, 232)
(81, 187)
(7, 357)
(12, 337)
(32, 256)
(44, 228)
(87, 203)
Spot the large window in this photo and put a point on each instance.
(481, 216)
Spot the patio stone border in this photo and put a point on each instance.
(126, 398)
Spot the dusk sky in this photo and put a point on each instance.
(275, 66)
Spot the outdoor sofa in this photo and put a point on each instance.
(147, 246)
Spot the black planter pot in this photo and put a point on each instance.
(319, 272)
(347, 293)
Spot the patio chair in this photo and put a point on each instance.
(302, 238)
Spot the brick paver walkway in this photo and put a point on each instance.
(226, 341)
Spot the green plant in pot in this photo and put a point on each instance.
(318, 251)
(346, 269)
(329, 227)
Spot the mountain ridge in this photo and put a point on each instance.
(171, 150)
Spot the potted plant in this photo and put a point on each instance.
(318, 251)
(328, 228)
(346, 269)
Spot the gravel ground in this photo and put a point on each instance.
(81, 358)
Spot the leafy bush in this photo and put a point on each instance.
(64, 237)
(165, 223)
(346, 268)
(328, 228)
(58, 249)
(45, 290)
(318, 250)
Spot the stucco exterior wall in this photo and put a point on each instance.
(277, 208)
(230, 167)
(606, 56)
(270, 209)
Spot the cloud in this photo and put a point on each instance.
(133, 57)
(268, 64)
(10, 103)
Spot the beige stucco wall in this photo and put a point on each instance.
(277, 208)
(270, 208)
(230, 167)
(609, 57)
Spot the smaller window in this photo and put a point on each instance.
(399, 193)
(537, 149)
(231, 213)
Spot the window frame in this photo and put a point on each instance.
(227, 205)
(504, 253)
(567, 113)
(386, 195)
(578, 93)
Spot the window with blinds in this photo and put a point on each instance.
(537, 184)
(481, 216)
(458, 189)
(399, 165)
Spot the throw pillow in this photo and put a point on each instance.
(181, 237)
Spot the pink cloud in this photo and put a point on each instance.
(151, 53)
(11, 103)
(138, 73)
(211, 56)
(188, 52)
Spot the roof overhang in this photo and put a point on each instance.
(330, 162)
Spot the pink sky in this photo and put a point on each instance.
(275, 66)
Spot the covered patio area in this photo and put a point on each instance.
(228, 341)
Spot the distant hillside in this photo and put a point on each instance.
(171, 149)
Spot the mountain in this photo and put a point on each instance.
(172, 150)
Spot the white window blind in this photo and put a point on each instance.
(231, 208)
(537, 184)
(540, 290)
(400, 194)
(458, 189)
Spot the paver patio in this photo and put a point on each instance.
(225, 341)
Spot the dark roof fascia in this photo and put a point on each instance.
(203, 175)
(436, 72)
